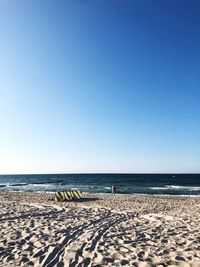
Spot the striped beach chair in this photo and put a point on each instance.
(67, 196)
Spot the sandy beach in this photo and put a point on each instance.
(99, 230)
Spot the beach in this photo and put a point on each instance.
(99, 230)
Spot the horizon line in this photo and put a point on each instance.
(71, 173)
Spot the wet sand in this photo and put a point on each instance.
(99, 230)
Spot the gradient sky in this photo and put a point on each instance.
(99, 86)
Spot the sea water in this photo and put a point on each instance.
(153, 184)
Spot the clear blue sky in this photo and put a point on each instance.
(99, 86)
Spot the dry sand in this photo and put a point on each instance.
(101, 230)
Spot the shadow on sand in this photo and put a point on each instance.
(84, 199)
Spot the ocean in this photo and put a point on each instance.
(150, 184)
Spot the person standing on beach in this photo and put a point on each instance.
(113, 189)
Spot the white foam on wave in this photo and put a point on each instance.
(157, 188)
(179, 187)
(42, 185)
(176, 187)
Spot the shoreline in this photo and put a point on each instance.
(99, 230)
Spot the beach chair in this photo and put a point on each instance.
(67, 196)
